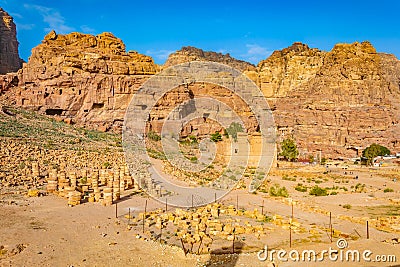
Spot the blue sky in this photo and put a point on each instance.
(248, 30)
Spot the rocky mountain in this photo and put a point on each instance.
(189, 53)
(336, 102)
(83, 78)
(9, 57)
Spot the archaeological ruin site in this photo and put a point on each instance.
(81, 185)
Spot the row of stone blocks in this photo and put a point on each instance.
(104, 185)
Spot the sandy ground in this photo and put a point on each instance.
(52, 234)
(44, 231)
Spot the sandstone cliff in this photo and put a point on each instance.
(337, 101)
(83, 78)
(9, 57)
(189, 53)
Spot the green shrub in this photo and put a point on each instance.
(318, 191)
(359, 188)
(153, 136)
(277, 191)
(285, 177)
(347, 206)
(216, 137)
(193, 139)
(106, 165)
(156, 154)
(388, 190)
(301, 188)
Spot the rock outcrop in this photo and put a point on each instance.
(83, 78)
(189, 53)
(287, 69)
(9, 57)
(337, 102)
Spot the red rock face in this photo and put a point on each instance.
(83, 78)
(348, 98)
(333, 101)
(188, 53)
(201, 127)
(9, 57)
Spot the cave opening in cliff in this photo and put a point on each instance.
(54, 111)
(97, 105)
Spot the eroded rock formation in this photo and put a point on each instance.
(189, 53)
(336, 102)
(83, 78)
(9, 57)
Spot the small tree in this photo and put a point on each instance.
(233, 129)
(373, 151)
(289, 149)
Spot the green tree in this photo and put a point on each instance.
(289, 149)
(233, 129)
(373, 151)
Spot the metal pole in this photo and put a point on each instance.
(262, 207)
(367, 231)
(290, 234)
(292, 210)
(144, 214)
(129, 216)
(116, 210)
(161, 230)
(330, 225)
(215, 197)
(233, 244)
(290, 227)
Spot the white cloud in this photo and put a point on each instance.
(52, 17)
(87, 29)
(21, 26)
(16, 15)
(255, 53)
(159, 55)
